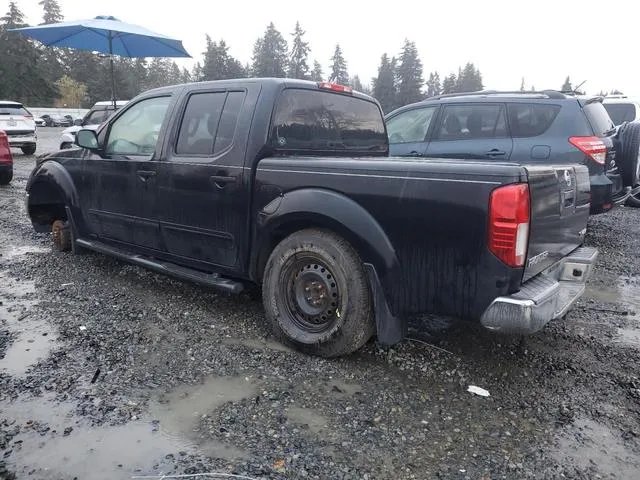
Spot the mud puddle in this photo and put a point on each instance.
(17, 251)
(57, 444)
(32, 338)
(623, 289)
(588, 444)
(258, 343)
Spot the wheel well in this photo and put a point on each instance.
(282, 231)
(46, 204)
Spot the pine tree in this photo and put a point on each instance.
(196, 72)
(433, 85)
(270, 54)
(316, 73)
(338, 68)
(186, 76)
(566, 87)
(449, 84)
(52, 11)
(409, 75)
(356, 84)
(21, 71)
(469, 79)
(298, 58)
(384, 86)
(522, 89)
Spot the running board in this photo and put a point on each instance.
(208, 279)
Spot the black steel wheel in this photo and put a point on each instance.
(316, 295)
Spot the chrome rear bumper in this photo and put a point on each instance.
(543, 298)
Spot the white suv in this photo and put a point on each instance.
(19, 125)
(622, 109)
(95, 117)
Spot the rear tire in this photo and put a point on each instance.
(628, 161)
(316, 296)
(29, 149)
(61, 235)
(6, 177)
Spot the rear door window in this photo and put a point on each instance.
(621, 112)
(598, 118)
(466, 122)
(317, 121)
(530, 120)
(209, 123)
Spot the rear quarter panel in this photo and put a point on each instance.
(434, 213)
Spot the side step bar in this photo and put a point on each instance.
(207, 279)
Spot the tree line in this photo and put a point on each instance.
(46, 76)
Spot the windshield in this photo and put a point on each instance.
(621, 112)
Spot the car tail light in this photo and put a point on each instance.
(29, 117)
(593, 147)
(335, 87)
(509, 223)
(5, 150)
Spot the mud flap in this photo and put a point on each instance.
(75, 249)
(390, 329)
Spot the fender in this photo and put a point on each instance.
(58, 189)
(320, 207)
(56, 175)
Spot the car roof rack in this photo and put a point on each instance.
(555, 94)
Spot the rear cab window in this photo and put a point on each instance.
(13, 109)
(598, 118)
(318, 122)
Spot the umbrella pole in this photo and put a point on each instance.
(113, 75)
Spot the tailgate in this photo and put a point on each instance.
(560, 198)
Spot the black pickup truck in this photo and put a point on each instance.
(288, 186)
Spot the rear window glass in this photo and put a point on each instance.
(8, 109)
(598, 118)
(530, 120)
(321, 121)
(621, 112)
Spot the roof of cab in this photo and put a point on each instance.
(10, 102)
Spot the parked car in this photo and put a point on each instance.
(39, 121)
(622, 109)
(17, 122)
(545, 128)
(92, 120)
(287, 185)
(6, 160)
(56, 120)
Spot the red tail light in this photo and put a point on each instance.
(335, 87)
(593, 147)
(5, 150)
(29, 117)
(509, 223)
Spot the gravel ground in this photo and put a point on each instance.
(111, 371)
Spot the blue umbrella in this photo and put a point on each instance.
(106, 34)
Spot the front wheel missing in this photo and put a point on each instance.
(61, 235)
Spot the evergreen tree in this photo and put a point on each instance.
(449, 84)
(270, 54)
(356, 84)
(298, 58)
(52, 11)
(469, 79)
(52, 58)
(433, 85)
(384, 86)
(409, 75)
(338, 68)
(316, 73)
(196, 72)
(566, 87)
(218, 64)
(21, 74)
(522, 89)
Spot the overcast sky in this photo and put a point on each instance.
(540, 40)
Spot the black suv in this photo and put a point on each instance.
(548, 127)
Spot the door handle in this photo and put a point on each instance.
(221, 180)
(145, 175)
(494, 152)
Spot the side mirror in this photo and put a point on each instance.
(77, 122)
(87, 139)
